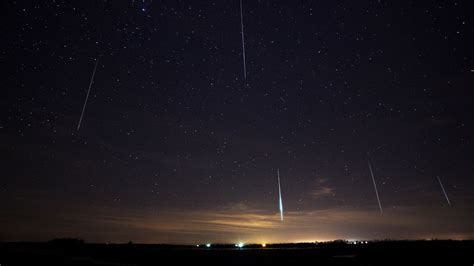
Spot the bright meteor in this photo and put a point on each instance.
(87, 96)
(279, 196)
(375, 187)
(243, 39)
(444, 192)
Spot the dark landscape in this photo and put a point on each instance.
(429, 252)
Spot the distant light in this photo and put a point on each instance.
(366, 242)
(143, 9)
(239, 245)
(197, 245)
(264, 245)
(208, 245)
(354, 242)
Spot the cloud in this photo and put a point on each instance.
(235, 222)
(252, 224)
(321, 189)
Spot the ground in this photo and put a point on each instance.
(375, 253)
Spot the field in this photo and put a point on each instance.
(434, 252)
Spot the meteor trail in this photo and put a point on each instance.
(87, 96)
(243, 39)
(279, 196)
(444, 192)
(375, 186)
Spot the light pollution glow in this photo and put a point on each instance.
(243, 223)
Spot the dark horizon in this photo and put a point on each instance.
(375, 253)
(68, 241)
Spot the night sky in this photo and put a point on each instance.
(176, 146)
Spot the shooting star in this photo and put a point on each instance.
(444, 192)
(375, 186)
(87, 96)
(280, 201)
(243, 39)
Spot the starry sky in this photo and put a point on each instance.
(176, 146)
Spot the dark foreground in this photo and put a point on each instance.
(373, 253)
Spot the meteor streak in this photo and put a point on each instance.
(444, 192)
(279, 196)
(87, 96)
(375, 187)
(243, 39)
